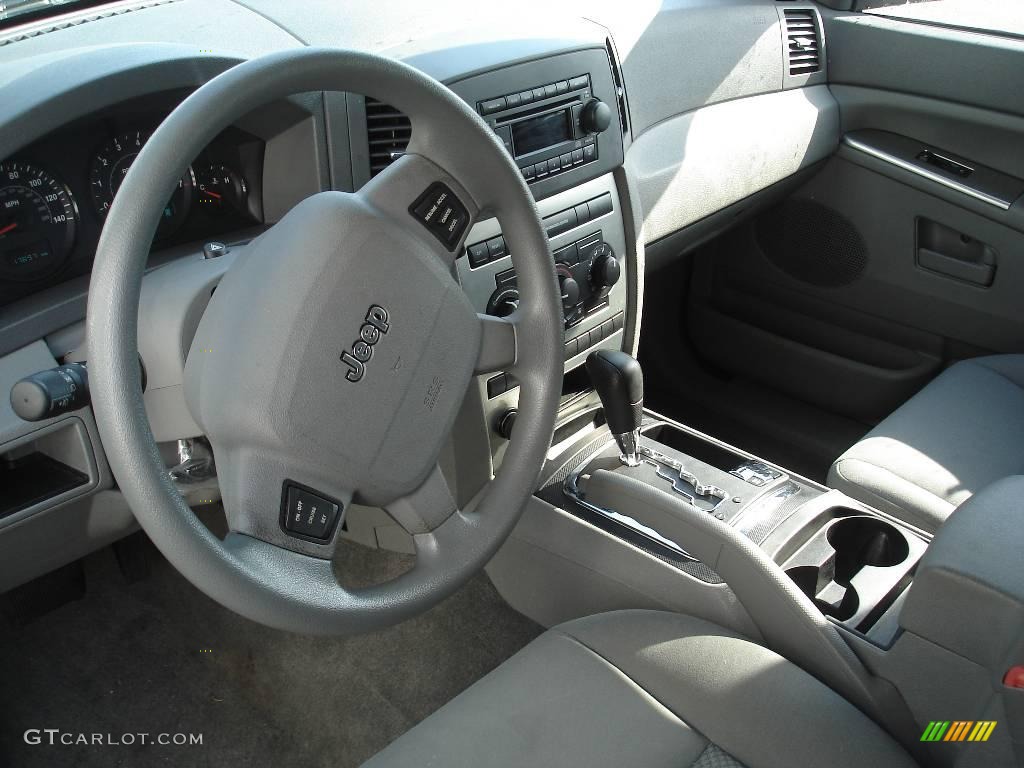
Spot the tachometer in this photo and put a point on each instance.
(38, 218)
(109, 167)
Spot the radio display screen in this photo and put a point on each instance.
(540, 132)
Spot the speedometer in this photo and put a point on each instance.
(109, 167)
(38, 218)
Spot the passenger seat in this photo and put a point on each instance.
(960, 433)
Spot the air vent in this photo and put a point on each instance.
(803, 43)
(387, 134)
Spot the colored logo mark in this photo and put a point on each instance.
(958, 730)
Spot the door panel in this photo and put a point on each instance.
(875, 274)
(908, 57)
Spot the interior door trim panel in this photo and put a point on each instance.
(985, 135)
(948, 64)
(986, 184)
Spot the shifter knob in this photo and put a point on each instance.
(619, 381)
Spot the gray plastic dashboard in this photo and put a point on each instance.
(684, 66)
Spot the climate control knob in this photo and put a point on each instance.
(604, 270)
(503, 303)
(596, 116)
(570, 290)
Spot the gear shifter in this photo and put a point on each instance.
(619, 381)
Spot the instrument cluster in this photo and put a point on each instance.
(55, 195)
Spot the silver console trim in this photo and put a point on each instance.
(571, 489)
(662, 462)
(629, 447)
(665, 466)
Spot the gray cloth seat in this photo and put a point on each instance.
(645, 688)
(960, 433)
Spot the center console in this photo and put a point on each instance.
(851, 563)
(558, 118)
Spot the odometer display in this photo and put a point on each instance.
(38, 220)
(109, 167)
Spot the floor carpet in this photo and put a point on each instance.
(157, 656)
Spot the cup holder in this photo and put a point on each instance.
(863, 541)
(851, 566)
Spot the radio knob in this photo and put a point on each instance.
(605, 270)
(570, 291)
(596, 116)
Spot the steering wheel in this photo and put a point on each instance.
(331, 361)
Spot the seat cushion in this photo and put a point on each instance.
(960, 433)
(645, 688)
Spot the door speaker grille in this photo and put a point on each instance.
(812, 243)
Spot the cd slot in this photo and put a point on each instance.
(534, 111)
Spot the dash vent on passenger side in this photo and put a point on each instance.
(387, 134)
(803, 41)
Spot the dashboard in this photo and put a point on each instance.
(677, 141)
(55, 193)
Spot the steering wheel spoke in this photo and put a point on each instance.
(426, 508)
(499, 344)
(418, 194)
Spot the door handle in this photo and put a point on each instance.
(953, 254)
(958, 269)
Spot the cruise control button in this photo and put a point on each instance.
(440, 211)
(308, 514)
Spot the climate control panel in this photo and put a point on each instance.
(586, 270)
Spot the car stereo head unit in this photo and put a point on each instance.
(549, 129)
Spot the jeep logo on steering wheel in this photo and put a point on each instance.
(362, 348)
